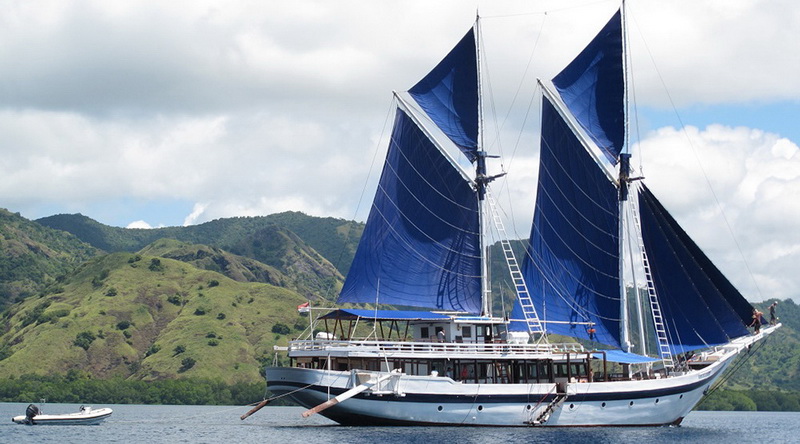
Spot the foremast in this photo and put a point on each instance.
(623, 179)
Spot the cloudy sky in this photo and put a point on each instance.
(153, 113)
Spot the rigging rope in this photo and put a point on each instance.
(731, 372)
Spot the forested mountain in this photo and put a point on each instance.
(335, 239)
(33, 256)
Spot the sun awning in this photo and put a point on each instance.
(385, 315)
(624, 357)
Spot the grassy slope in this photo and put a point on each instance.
(32, 256)
(46, 345)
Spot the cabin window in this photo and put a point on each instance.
(533, 372)
(483, 371)
(466, 372)
(466, 331)
(423, 332)
(561, 370)
(544, 371)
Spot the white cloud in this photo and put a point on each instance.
(197, 211)
(248, 108)
(139, 224)
(741, 178)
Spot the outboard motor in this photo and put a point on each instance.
(30, 412)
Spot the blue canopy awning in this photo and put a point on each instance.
(385, 315)
(624, 357)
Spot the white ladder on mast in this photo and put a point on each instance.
(658, 320)
(529, 311)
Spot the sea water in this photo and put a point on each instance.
(220, 424)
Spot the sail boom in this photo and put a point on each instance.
(586, 141)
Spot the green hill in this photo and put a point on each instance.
(238, 268)
(145, 317)
(335, 239)
(33, 256)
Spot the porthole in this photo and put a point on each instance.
(631, 404)
(440, 408)
(656, 400)
(572, 406)
(603, 405)
(480, 408)
(681, 397)
(528, 407)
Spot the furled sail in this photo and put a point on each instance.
(572, 264)
(421, 244)
(700, 306)
(449, 95)
(593, 88)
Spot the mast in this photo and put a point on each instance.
(482, 180)
(624, 178)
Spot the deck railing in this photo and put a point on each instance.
(432, 348)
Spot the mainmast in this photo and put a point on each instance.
(482, 180)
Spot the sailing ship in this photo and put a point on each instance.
(424, 245)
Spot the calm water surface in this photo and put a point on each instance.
(215, 424)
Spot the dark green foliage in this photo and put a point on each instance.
(213, 283)
(152, 350)
(155, 265)
(221, 316)
(97, 282)
(76, 387)
(52, 316)
(35, 315)
(126, 333)
(122, 325)
(111, 292)
(175, 299)
(178, 350)
(186, 364)
(213, 342)
(281, 329)
(84, 339)
(200, 311)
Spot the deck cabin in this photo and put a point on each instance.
(468, 349)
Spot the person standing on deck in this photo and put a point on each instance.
(772, 318)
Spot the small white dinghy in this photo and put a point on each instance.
(85, 416)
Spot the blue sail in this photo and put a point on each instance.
(572, 262)
(421, 244)
(593, 88)
(700, 306)
(449, 95)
